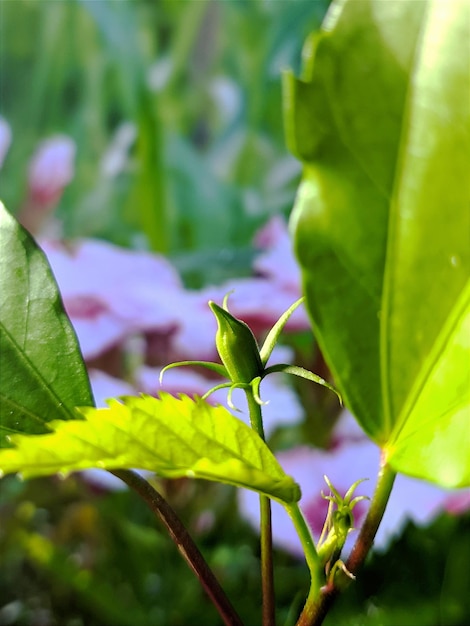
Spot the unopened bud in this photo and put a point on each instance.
(237, 346)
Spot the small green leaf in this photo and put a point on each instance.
(173, 437)
(43, 376)
(214, 367)
(273, 335)
(301, 372)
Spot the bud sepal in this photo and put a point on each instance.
(243, 362)
(339, 523)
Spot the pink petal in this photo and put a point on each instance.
(105, 387)
(271, 234)
(96, 326)
(5, 139)
(194, 338)
(51, 169)
(259, 303)
(110, 292)
(458, 503)
(277, 262)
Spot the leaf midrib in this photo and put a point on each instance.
(432, 360)
(391, 246)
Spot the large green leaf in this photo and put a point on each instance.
(42, 374)
(381, 120)
(173, 437)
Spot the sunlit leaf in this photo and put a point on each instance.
(381, 120)
(42, 374)
(173, 437)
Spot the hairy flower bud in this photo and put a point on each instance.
(237, 346)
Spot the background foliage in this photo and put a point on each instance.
(200, 83)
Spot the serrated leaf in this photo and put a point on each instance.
(173, 437)
(42, 374)
(381, 120)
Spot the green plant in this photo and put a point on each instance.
(383, 136)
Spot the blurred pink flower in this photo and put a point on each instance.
(277, 262)
(111, 293)
(259, 302)
(458, 503)
(5, 139)
(353, 457)
(50, 170)
(105, 387)
(194, 336)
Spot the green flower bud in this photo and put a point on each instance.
(237, 346)
(328, 547)
(343, 521)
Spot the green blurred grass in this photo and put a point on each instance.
(202, 177)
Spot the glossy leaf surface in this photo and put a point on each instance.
(381, 120)
(42, 374)
(174, 437)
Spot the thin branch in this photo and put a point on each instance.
(267, 567)
(184, 543)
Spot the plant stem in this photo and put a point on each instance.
(184, 543)
(363, 544)
(267, 575)
(318, 604)
(308, 545)
(311, 556)
(267, 568)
